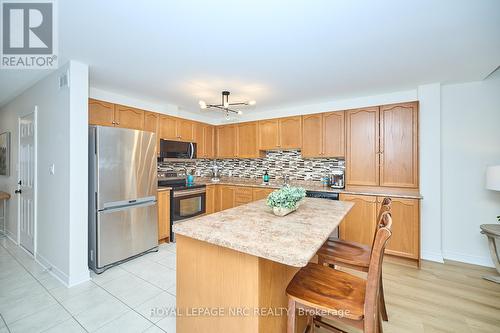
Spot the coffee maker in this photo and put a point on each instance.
(337, 178)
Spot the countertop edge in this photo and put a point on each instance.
(312, 188)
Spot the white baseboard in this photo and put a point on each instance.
(52, 269)
(11, 236)
(60, 275)
(469, 259)
(75, 281)
(432, 256)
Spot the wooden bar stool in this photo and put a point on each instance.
(326, 293)
(337, 252)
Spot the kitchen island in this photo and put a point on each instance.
(233, 266)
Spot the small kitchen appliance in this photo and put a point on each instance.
(337, 178)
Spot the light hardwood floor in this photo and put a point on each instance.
(448, 297)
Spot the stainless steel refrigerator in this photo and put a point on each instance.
(122, 195)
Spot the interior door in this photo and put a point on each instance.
(26, 189)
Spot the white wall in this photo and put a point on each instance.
(61, 237)
(470, 142)
(429, 97)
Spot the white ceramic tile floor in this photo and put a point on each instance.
(121, 299)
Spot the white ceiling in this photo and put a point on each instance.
(276, 52)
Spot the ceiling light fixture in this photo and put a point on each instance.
(225, 105)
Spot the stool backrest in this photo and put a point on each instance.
(374, 276)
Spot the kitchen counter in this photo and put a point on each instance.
(253, 229)
(164, 188)
(244, 258)
(312, 186)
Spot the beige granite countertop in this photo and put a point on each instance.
(308, 185)
(253, 229)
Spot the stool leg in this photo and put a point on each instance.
(382, 301)
(290, 327)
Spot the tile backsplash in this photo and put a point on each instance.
(277, 163)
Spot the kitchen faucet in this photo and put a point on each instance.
(286, 179)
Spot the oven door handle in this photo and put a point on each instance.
(185, 193)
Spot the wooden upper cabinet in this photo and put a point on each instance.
(168, 128)
(185, 130)
(268, 135)
(101, 113)
(151, 124)
(323, 135)
(226, 141)
(128, 117)
(246, 140)
(399, 145)
(405, 239)
(282, 133)
(312, 137)
(359, 225)
(208, 134)
(333, 134)
(290, 132)
(151, 121)
(362, 149)
(199, 138)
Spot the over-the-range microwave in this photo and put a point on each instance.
(177, 149)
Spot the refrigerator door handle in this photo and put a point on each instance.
(113, 206)
(130, 206)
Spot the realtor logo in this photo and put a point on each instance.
(28, 35)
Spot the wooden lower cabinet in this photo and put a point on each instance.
(225, 197)
(261, 193)
(210, 199)
(228, 196)
(163, 216)
(242, 195)
(359, 224)
(405, 240)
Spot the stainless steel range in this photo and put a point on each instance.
(186, 200)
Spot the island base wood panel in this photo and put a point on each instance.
(210, 276)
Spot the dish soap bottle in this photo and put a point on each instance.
(266, 177)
